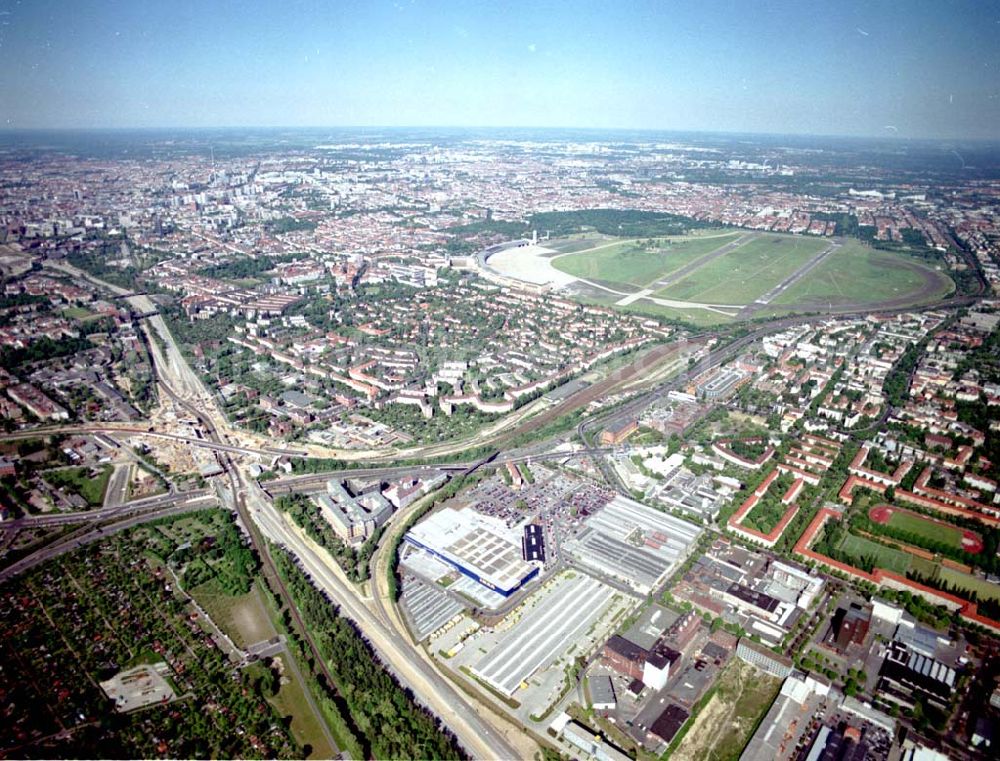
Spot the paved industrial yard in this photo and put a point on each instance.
(429, 608)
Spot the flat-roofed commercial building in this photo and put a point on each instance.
(592, 744)
(763, 658)
(753, 601)
(722, 384)
(602, 693)
(907, 676)
(475, 546)
(668, 723)
(633, 543)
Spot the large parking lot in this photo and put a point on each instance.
(553, 495)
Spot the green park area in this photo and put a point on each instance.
(249, 619)
(79, 313)
(161, 539)
(639, 262)
(985, 590)
(292, 702)
(207, 546)
(865, 553)
(101, 609)
(89, 483)
(242, 616)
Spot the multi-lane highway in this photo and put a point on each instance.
(88, 535)
(194, 499)
(433, 690)
(310, 481)
(127, 430)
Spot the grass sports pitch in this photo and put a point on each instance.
(886, 557)
(926, 528)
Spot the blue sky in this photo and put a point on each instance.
(906, 68)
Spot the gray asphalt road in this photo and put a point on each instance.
(117, 491)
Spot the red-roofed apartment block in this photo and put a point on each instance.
(753, 535)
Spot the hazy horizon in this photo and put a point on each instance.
(471, 128)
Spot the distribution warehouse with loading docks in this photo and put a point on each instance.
(476, 546)
(556, 622)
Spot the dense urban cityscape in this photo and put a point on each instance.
(514, 381)
(494, 430)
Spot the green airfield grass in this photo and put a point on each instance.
(747, 272)
(854, 274)
(574, 245)
(630, 263)
(859, 274)
(701, 318)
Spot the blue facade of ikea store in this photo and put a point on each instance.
(472, 574)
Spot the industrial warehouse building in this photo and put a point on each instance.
(545, 632)
(633, 543)
(763, 658)
(652, 666)
(617, 432)
(476, 546)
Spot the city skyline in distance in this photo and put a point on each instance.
(857, 69)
